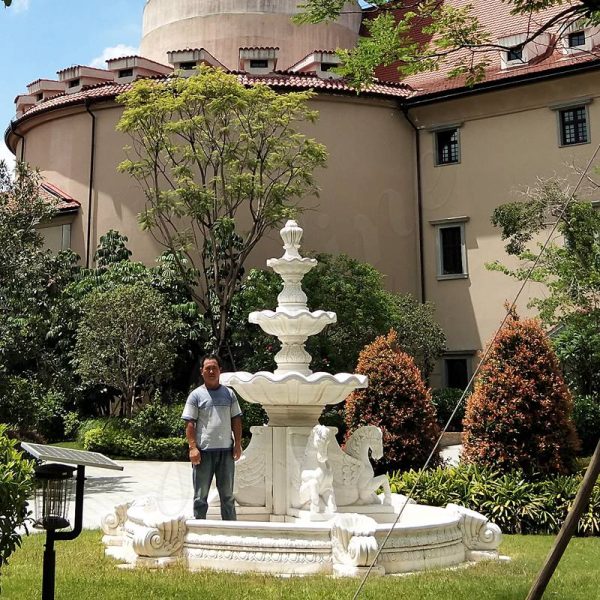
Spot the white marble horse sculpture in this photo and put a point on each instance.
(316, 476)
(354, 480)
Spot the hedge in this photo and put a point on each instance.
(515, 503)
(125, 445)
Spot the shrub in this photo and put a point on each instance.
(16, 484)
(156, 420)
(123, 444)
(519, 416)
(398, 402)
(445, 401)
(50, 412)
(577, 345)
(516, 503)
(586, 414)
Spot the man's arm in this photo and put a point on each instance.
(236, 427)
(190, 434)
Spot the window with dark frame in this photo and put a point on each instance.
(447, 150)
(259, 64)
(456, 372)
(74, 83)
(577, 38)
(125, 73)
(573, 126)
(515, 53)
(328, 66)
(451, 250)
(188, 66)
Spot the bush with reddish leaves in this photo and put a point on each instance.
(398, 402)
(520, 414)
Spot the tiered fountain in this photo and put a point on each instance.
(304, 504)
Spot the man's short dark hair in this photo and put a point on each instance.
(211, 357)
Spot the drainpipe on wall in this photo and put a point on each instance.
(21, 137)
(90, 184)
(419, 202)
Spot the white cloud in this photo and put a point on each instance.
(20, 5)
(113, 52)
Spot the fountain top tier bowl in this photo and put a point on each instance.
(293, 394)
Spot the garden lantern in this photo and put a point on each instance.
(53, 493)
(54, 490)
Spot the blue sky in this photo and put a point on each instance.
(39, 37)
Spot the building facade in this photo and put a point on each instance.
(416, 166)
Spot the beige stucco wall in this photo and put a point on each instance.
(507, 139)
(223, 26)
(366, 206)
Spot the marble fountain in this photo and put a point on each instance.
(304, 504)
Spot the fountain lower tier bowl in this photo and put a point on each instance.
(424, 538)
(291, 398)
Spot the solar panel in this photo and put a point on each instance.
(73, 457)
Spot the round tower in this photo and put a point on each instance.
(222, 27)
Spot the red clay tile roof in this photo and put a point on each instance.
(64, 202)
(279, 79)
(495, 17)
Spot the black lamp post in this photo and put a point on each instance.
(53, 492)
(52, 496)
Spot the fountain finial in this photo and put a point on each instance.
(291, 235)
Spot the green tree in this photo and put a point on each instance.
(111, 249)
(125, 340)
(520, 413)
(220, 165)
(31, 278)
(421, 34)
(398, 402)
(16, 484)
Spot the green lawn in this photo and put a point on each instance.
(83, 573)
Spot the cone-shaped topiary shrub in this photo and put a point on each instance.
(519, 416)
(398, 402)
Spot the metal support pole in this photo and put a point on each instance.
(568, 529)
(49, 567)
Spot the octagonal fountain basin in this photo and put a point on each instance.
(291, 398)
(425, 538)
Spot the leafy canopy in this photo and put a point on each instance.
(220, 165)
(421, 34)
(125, 340)
(570, 266)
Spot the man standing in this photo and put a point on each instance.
(213, 414)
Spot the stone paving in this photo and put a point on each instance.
(170, 482)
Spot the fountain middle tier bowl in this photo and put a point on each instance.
(292, 322)
(293, 389)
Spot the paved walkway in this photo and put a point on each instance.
(170, 482)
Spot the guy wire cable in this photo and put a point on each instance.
(479, 365)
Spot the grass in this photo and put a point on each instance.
(72, 445)
(82, 572)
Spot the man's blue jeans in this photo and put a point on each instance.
(218, 464)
